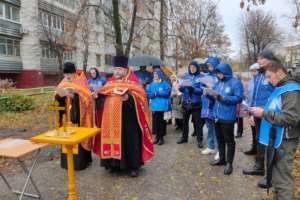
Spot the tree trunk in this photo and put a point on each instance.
(161, 30)
(85, 57)
(128, 46)
(117, 26)
(60, 59)
(85, 39)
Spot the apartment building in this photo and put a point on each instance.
(26, 55)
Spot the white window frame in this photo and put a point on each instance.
(14, 52)
(11, 12)
(56, 22)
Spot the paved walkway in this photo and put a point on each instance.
(177, 172)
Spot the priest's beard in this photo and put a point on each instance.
(120, 75)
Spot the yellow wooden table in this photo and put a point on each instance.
(79, 135)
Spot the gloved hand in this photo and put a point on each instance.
(191, 89)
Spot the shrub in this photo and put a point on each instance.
(6, 84)
(13, 102)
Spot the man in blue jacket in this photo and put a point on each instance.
(143, 75)
(228, 92)
(261, 92)
(191, 90)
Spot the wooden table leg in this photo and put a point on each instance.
(71, 178)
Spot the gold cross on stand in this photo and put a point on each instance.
(54, 106)
(57, 132)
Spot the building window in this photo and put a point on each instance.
(1, 9)
(9, 47)
(10, 12)
(68, 55)
(68, 3)
(15, 14)
(48, 53)
(52, 21)
(2, 46)
(98, 60)
(108, 59)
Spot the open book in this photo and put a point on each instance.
(207, 80)
(65, 91)
(184, 83)
(245, 105)
(211, 92)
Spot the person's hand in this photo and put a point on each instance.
(257, 111)
(251, 121)
(118, 91)
(95, 95)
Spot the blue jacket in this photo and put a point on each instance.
(261, 91)
(208, 104)
(214, 61)
(159, 95)
(231, 89)
(96, 83)
(192, 95)
(143, 76)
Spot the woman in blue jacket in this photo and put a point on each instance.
(159, 92)
(191, 90)
(228, 93)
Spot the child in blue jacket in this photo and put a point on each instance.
(159, 92)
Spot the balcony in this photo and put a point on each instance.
(10, 28)
(10, 64)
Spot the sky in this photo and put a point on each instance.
(230, 12)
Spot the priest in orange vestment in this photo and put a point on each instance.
(73, 93)
(126, 135)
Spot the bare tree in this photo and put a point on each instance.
(62, 39)
(259, 31)
(199, 28)
(161, 29)
(296, 4)
(248, 3)
(118, 27)
(83, 29)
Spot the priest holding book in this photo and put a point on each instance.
(126, 135)
(73, 93)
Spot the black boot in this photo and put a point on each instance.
(258, 169)
(182, 140)
(228, 168)
(217, 162)
(263, 183)
(200, 145)
(161, 141)
(156, 140)
(134, 173)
